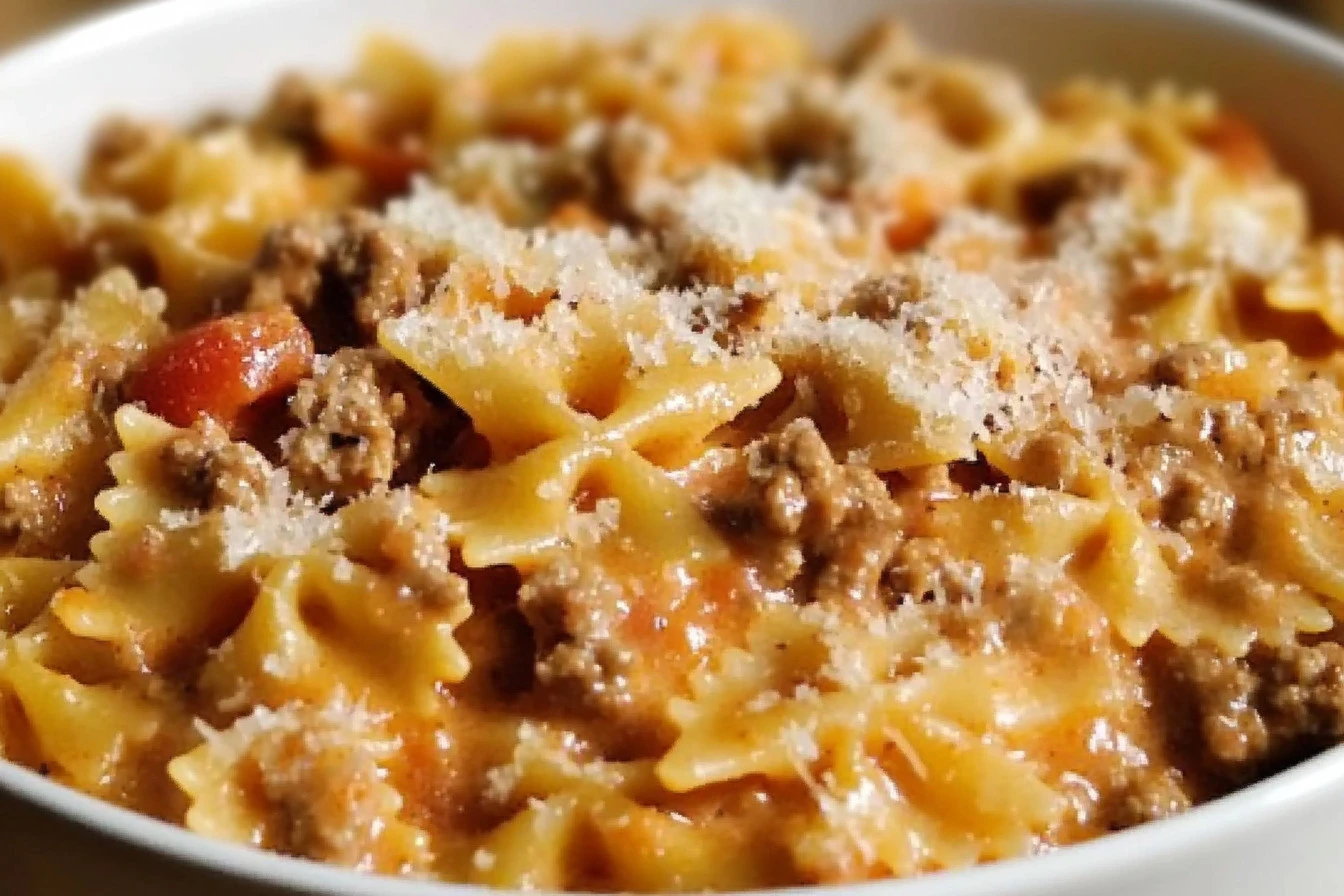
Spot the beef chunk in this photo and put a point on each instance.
(314, 777)
(1247, 717)
(289, 267)
(1198, 504)
(378, 271)
(881, 298)
(51, 517)
(1053, 460)
(342, 278)
(292, 113)
(1044, 196)
(408, 543)
(827, 529)
(923, 569)
(1136, 795)
(360, 417)
(117, 141)
(212, 471)
(573, 609)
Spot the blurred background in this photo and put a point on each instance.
(21, 19)
(1327, 12)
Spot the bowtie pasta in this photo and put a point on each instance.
(681, 462)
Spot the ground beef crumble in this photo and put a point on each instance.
(924, 570)
(322, 794)
(409, 544)
(1198, 505)
(1043, 196)
(573, 609)
(51, 517)
(881, 298)
(829, 530)
(117, 141)
(1239, 437)
(1053, 460)
(1244, 718)
(1135, 795)
(1205, 467)
(342, 278)
(361, 415)
(292, 113)
(212, 471)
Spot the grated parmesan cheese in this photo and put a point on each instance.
(284, 524)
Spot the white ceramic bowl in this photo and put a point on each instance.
(177, 56)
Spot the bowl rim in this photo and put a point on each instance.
(1262, 803)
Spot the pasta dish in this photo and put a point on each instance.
(668, 463)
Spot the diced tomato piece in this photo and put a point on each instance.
(224, 366)
(351, 138)
(917, 217)
(1238, 145)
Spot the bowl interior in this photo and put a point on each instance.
(177, 58)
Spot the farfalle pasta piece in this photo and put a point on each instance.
(30, 308)
(639, 848)
(1210, 309)
(689, 857)
(1199, 312)
(373, 639)
(323, 625)
(494, 367)
(130, 596)
(1126, 571)
(981, 106)
(1234, 620)
(27, 585)
(930, 363)
(1047, 526)
(55, 435)
(652, 512)
(223, 193)
(532, 850)
(527, 386)
(1295, 538)
(1130, 579)
(207, 201)
(596, 808)
(51, 416)
(89, 733)
(127, 597)
(39, 225)
(308, 780)
(1313, 283)
(939, 798)
(892, 745)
